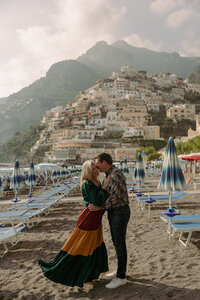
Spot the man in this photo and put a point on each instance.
(117, 205)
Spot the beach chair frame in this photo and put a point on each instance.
(7, 234)
(186, 227)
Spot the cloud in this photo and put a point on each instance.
(164, 7)
(74, 28)
(190, 47)
(15, 74)
(179, 17)
(136, 41)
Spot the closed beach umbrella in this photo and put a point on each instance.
(66, 171)
(139, 173)
(63, 173)
(31, 179)
(16, 181)
(172, 178)
(58, 176)
(125, 168)
(53, 176)
(1, 187)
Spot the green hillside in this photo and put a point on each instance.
(66, 78)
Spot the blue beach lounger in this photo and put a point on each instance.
(160, 197)
(153, 199)
(8, 233)
(188, 227)
(28, 217)
(182, 218)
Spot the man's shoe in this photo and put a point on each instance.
(115, 283)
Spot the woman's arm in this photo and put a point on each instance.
(93, 194)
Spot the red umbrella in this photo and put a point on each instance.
(191, 158)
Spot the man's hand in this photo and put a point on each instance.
(92, 207)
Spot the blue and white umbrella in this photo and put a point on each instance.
(53, 176)
(58, 176)
(63, 173)
(17, 181)
(120, 166)
(31, 179)
(66, 171)
(125, 167)
(172, 178)
(139, 173)
(1, 186)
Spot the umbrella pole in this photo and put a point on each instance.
(46, 188)
(30, 190)
(170, 219)
(170, 199)
(16, 194)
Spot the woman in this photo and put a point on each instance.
(83, 257)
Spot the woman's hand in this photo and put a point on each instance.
(105, 183)
(92, 207)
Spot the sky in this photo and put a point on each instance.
(34, 34)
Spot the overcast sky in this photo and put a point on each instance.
(34, 34)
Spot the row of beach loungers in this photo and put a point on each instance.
(181, 224)
(27, 214)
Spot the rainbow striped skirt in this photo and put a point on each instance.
(83, 257)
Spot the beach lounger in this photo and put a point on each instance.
(44, 204)
(185, 227)
(7, 234)
(46, 207)
(160, 197)
(181, 218)
(153, 199)
(28, 217)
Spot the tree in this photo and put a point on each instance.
(151, 153)
(142, 72)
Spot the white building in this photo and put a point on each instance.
(181, 112)
(98, 123)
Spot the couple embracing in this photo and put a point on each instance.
(84, 257)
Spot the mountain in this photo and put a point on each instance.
(107, 58)
(61, 83)
(66, 78)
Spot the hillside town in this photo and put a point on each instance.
(108, 115)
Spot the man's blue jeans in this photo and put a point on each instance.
(118, 219)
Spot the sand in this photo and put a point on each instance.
(157, 268)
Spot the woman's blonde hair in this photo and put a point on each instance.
(86, 171)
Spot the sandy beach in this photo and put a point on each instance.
(157, 268)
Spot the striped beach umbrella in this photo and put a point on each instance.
(139, 173)
(1, 186)
(17, 181)
(63, 173)
(53, 176)
(31, 179)
(125, 167)
(172, 178)
(58, 176)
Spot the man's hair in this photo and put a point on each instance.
(105, 156)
